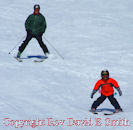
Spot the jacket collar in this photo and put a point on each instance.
(36, 14)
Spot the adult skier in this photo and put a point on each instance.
(106, 84)
(35, 26)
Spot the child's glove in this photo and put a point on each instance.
(119, 90)
(93, 92)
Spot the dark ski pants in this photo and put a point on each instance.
(38, 38)
(111, 98)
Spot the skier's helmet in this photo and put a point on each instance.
(105, 74)
(36, 6)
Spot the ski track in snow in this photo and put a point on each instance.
(91, 35)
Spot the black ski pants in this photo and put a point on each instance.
(111, 98)
(38, 38)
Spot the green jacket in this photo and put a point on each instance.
(35, 24)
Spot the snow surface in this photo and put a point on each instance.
(91, 35)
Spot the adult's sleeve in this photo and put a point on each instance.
(44, 24)
(27, 23)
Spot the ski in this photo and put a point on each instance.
(37, 61)
(18, 59)
(93, 112)
(110, 113)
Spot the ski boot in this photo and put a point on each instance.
(19, 54)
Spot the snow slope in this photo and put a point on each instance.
(91, 35)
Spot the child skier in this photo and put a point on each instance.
(106, 84)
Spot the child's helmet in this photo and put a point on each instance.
(104, 72)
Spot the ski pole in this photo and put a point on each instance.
(15, 45)
(54, 48)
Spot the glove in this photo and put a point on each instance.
(93, 92)
(119, 90)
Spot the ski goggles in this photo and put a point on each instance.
(105, 76)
